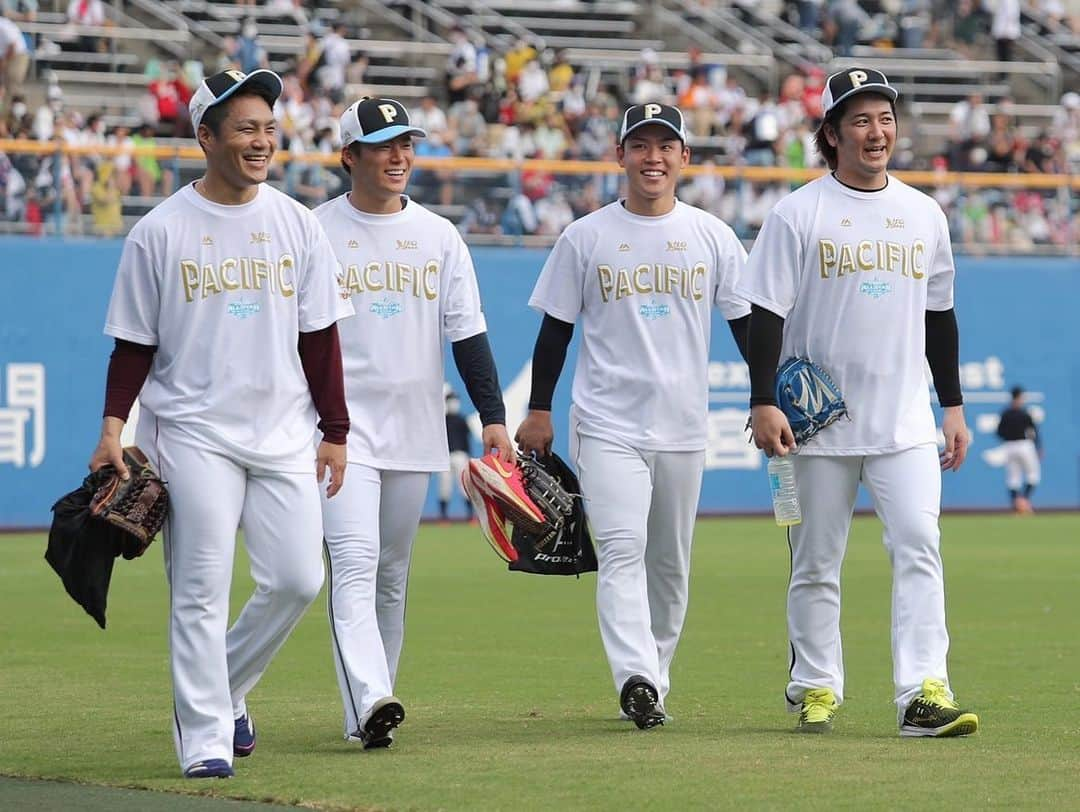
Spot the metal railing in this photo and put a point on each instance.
(988, 212)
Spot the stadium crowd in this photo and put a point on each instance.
(532, 103)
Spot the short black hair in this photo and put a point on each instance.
(216, 114)
(1017, 391)
(832, 119)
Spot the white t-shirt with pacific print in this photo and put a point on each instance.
(224, 292)
(643, 289)
(413, 285)
(853, 274)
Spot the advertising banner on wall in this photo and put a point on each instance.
(1016, 325)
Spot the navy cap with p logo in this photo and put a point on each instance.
(852, 81)
(653, 113)
(373, 121)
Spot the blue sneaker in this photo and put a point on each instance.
(243, 742)
(211, 768)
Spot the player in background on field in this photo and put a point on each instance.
(1023, 451)
(411, 280)
(459, 441)
(854, 271)
(641, 277)
(224, 312)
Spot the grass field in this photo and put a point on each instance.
(509, 699)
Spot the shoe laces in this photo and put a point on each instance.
(819, 704)
(934, 692)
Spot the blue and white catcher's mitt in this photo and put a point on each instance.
(808, 397)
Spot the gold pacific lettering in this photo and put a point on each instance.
(209, 279)
(606, 278)
(843, 259)
(655, 278)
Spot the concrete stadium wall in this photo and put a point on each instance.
(1017, 318)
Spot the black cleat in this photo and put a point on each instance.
(640, 701)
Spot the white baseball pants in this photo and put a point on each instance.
(369, 527)
(906, 489)
(1021, 464)
(214, 668)
(641, 507)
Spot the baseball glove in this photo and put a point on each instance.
(523, 509)
(808, 397)
(137, 506)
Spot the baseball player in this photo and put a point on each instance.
(459, 440)
(412, 282)
(854, 271)
(1023, 448)
(640, 275)
(224, 312)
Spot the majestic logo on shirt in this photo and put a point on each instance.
(243, 310)
(875, 289)
(353, 244)
(654, 310)
(407, 245)
(658, 278)
(676, 245)
(845, 223)
(207, 240)
(238, 273)
(385, 309)
(624, 247)
(259, 237)
(894, 222)
(422, 281)
(907, 259)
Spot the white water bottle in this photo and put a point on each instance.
(785, 497)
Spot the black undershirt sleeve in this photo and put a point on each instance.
(740, 330)
(943, 355)
(476, 366)
(764, 339)
(549, 355)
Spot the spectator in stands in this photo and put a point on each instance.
(763, 133)
(12, 190)
(429, 117)
(438, 182)
(1005, 28)
(171, 96)
(150, 177)
(552, 138)
(532, 82)
(125, 167)
(336, 57)
(105, 206)
(553, 212)
(249, 55)
(517, 57)
(809, 15)
(461, 67)
(21, 11)
(87, 12)
(1042, 155)
(845, 21)
(354, 73)
(913, 23)
(969, 125)
(14, 61)
(1001, 145)
(652, 86)
(967, 25)
(469, 128)
(561, 73)
(479, 219)
(699, 104)
(1065, 128)
(45, 117)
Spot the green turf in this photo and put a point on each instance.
(510, 704)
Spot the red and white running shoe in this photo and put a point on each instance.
(504, 482)
(487, 513)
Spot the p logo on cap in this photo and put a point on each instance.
(373, 121)
(652, 113)
(847, 83)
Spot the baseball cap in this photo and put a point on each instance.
(664, 114)
(852, 81)
(217, 88)
(373, 121)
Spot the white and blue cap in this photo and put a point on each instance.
(373, 121)
(217, 88)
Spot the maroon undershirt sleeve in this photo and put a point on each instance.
(320, 355)
(128, 367)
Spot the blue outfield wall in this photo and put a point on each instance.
(1017, 316)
